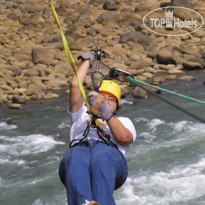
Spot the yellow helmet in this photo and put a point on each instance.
(111, 87)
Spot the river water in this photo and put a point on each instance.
(166, 162)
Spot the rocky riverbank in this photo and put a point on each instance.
(33, 64)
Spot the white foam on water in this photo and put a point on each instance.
(161, 136)
(56, 199)
(178, 131)
(155, 123)
(9, 161)
(37, 202)
(187, 132)
(5, 126)
(35, 181)
(185, 126)
(180, 184)
(63, 125)
(26, 145)
(123, 101)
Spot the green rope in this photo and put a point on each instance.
(133, 80)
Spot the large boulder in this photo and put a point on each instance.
(19, 99)
(139, 93)
(189, 65)
(110, 5)
(165, 56)
(183, 3)
(108, 17)
(134, 36)
(42, 55)
(34, 90)
(15, 14)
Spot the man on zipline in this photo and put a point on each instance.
(95, 165)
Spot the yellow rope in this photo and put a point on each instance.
(73, 65)
(70, 57)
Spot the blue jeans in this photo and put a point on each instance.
(92, 170)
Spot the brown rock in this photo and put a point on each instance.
(22, 57)
(61, 11)
(141, 64)
(50, 95)
(124, 90)
(3, 96)
(56, 83)
(14, 14)
(165, 56)
(6, 88)
(137, 24)
(118, 50)
(97, 2)
(186, 77)
(19, 99)
(108, 16)
(183, 3)
(63, 68)
(139, 92)
(22, 82)
(15, 106)
(159, 79)
(25, 19)
(135, 37)
(12, 83)
(171, 77)
(134, 58)
(188, 65)
(16, 70)
(37, 81)
(42, 55)
(147, 75)
(110, 5)
(30, 72)
(34, 89)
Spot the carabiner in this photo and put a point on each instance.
(98, 57)
(98, 84)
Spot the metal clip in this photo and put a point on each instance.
(98, 56)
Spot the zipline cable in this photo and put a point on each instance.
(169, 91)
(132, 80)
(90, 22)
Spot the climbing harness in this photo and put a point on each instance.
(94, 123)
